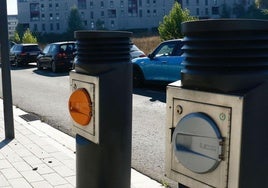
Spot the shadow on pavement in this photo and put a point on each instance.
(155, 92)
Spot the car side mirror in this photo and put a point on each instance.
(150, 56)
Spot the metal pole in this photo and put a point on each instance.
(6, 78)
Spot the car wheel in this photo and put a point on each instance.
(138, 78)
(16, 62)
(39, 67)
(53, 66)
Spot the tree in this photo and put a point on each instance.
(28, 37)
(262, 4)
(20, 29)
(74, 22)
(170, 28)
(16, 37)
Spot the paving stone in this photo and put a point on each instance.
(20, 183)
(41, 184)
(64, 171)
(11, 173)
(22, 166)
(3, 181)
(55, 179)
(32, 176)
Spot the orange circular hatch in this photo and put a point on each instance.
(80, 106)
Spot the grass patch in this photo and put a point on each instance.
(146, 44)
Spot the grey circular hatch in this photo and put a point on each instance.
(196, 143)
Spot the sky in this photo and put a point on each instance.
(12, 7)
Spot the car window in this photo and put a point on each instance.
(178, 51)
(165, 49)
(18, 48)
(46, 49)
(53, 48)
(12, 48)
(68, 48)
(30, 48)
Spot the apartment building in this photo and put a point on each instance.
(204, 9)
(52, 15)
(12, 21)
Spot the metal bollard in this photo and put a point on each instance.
(217, 138)
(103, 74)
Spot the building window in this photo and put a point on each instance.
(187, 2)
(43, 27)
(206, 2)
(82, 4)
(121, 4)
(91, 15)
(83, 15)
(122, 13)
(140, 13)
(51, 27)
(140, 3)
(197, 11)
(34, 12)
(58, 26)
(148, 13)
(154, 12)
(42, 7)
(215, 10)
(197, 2)
(43, 17)
(102, 4)
(111, 13)
(112, 23)
(57, 16)
(50, 6)
(132, 7)
(91, 4)
(206, 11)
(102, 13)
(51, 16)
(35, 27)
(57, 6)
(111, 4)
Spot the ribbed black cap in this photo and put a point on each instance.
(225, 55)
(97, 49)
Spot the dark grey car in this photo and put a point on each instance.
(57, 56)
(23, 54)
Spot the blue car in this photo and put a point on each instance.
(163, 64)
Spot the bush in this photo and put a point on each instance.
(28, 37)
(170, 28)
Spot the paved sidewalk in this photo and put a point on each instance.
(43, 157)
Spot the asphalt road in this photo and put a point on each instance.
(46, 94)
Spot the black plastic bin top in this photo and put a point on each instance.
(225, 55)
(98, 50)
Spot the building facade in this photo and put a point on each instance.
(204, 9)
(51, 16)
(12, 22)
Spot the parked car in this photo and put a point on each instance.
(58, 55)
(23, 54)
(163, 64)
(11, 44)
(136, 52)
